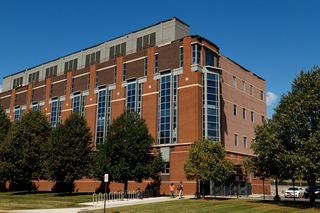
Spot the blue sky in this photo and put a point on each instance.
(273, 39)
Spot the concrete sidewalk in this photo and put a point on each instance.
(100, 205)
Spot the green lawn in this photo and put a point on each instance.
(41, 200)
(45, 200)
(214, 205)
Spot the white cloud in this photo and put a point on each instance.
(271, 98)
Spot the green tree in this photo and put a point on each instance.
(207, 161)
(5, 125)
(21, 151)
(126, 154)
(269, 153)
(298, 118)
(68, 152)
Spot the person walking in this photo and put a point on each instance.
(172, 190)
(180, 188)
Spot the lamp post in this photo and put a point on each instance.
(262, 178)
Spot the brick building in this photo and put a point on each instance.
(180, 83)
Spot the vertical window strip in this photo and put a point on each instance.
(76, 104)
(65, 87)
(45, 91)
(235, 139)
(88, 81)
(53, 114)
(196, 54)
(234, 81)
(235, 110)
(83, 105)
(139, 104)
(131, 97)
(115, 74)
(245, 142)
(243, 86)
(164, 110)
(15, 100)
(96, 84)
(32, 95)
(250, 89)
(101, 118)
(156, 64)
(124, 72)
(59, 112)
(72, 85)
(244, 113)
(181, 56)
(251, 116)
(51, 88)
(175, 108)
(145, 66)
(17, 114)
(212, 106)
(261, 94)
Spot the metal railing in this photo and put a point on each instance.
(125, 195)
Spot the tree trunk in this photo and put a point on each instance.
(125, 185)
(312, 185)
(202, 183)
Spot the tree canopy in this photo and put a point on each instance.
(21, 151)
(289, 146)
(127, 152)
(68, 152)
(207, 161)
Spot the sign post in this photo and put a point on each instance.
(106, 179)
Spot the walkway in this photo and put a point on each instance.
(99, 205)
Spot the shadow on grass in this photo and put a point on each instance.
(296, 204)
(211, 199)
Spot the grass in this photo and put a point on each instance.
(17, 200)
(214, 205)
(48, 200)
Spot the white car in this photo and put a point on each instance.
(294, 192)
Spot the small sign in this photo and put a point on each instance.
(106, 178)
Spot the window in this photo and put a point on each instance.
(245, 142)
(51, 71)
(251, 116)
(72, 85)
(65, 87)
(254, 175)
(117, 50)
(235, 140)
(17, 114)
(15, 99)
(124, 72)
(103, 114)
(79, 103)
(155, 63)
(146, 41)
(133, 97)
(33, 77)
(167, 110)
(196, 54)
(93, 58)
(96, 84)
(145, 66)
(210, 90)
(88, 81)
(115, 74)
(261, 95)
(252, 141)
(243, 86)
(32, 94)
(250, 89)
(45, 91)
(181, 56)
(235, 110)
(209, 57)
(71, 65)
(51, 88)
(166, 169)
(17, 82)
(218, 61)
(244, 113)
(262, 118)
(234, 81)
